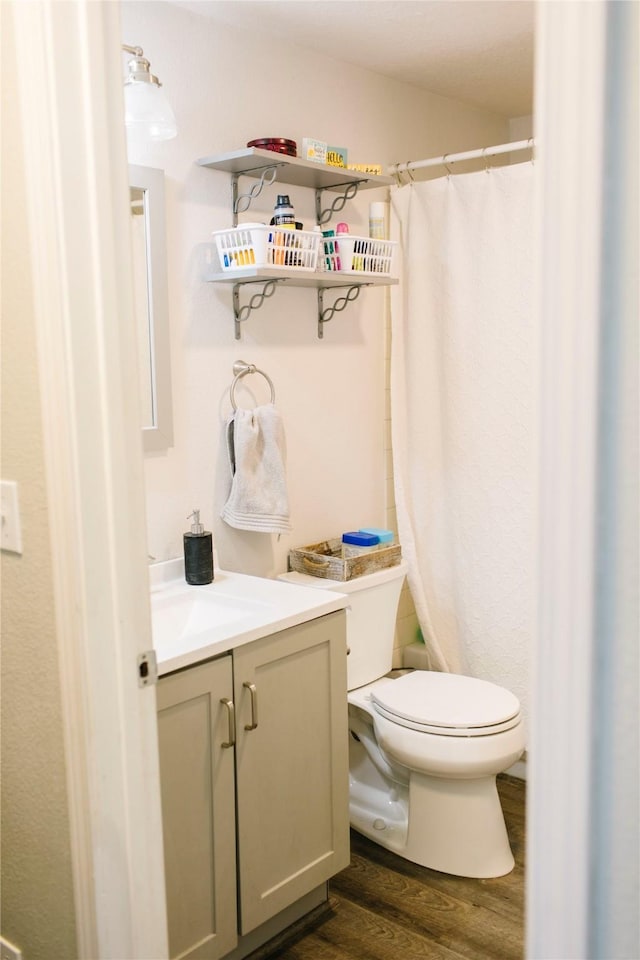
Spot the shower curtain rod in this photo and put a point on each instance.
(481, 153)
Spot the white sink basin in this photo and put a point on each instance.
(193, 623)
(194, 614)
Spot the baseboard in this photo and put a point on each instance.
(301, 927)
(298, 918)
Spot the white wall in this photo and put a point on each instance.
(228, 86)
(520, 128)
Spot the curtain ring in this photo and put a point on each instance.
(487, 169)
(397, 175)
(446, 166)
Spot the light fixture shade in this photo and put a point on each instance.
(148, 114)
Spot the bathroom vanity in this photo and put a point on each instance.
(252, 727)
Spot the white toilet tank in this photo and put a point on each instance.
(371, 618)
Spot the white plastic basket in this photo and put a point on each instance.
(262, 246)
(345, 253)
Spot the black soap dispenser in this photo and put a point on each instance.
(198, 553)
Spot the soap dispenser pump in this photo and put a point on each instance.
(198, 553)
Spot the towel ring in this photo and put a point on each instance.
(241, 369)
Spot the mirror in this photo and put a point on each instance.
(148, 245)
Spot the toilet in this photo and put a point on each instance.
(424, 748)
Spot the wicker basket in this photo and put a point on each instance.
(324, 560)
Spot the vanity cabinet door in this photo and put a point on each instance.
(292, 769)
(198, 811)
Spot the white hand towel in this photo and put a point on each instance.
(258, 499)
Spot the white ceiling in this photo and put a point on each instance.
(479, 51)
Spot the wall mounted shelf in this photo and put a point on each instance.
(317, 280)
(259, 164)
(269, 279)
(267, 166)
(293, 170)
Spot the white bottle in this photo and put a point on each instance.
(377, 229)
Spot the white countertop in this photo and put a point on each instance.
(192, 623)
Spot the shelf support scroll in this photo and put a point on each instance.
(240, 314)
(242, 201)
(350, 190)
(326, 313)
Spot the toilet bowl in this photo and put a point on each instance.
(442, 767)
(424, 748)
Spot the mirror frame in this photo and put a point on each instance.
(159, 436)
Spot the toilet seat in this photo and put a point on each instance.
(446, 704)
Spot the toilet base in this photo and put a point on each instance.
(452, 825)
(456, 826)
(378, 806)
(381, 818)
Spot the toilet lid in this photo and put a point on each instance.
(447, 703)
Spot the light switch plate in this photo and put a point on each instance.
(8, 951)
(10, 532)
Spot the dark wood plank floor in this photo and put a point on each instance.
(385, 908)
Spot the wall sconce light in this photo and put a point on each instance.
(148, 113)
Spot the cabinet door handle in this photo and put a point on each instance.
(232, 722)
(251, 687)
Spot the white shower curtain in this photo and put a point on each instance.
(462, 402)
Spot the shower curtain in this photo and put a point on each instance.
(462, 402)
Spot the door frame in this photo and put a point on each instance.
(72, 116)
(582, 862)
(77, 174)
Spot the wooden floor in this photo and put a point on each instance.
(385, 908)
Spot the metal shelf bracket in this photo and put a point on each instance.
(240, 314)
(326, 313)
(242, 201)
(350, 190)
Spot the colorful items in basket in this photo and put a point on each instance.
(276, 145)
(259, 245)
(331, 258)
(358, 543)
(352, 254)
(331, 247)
